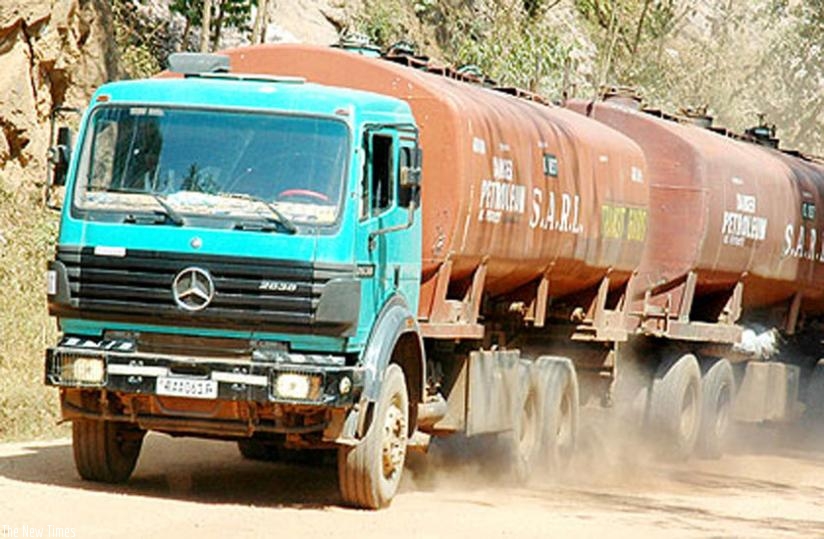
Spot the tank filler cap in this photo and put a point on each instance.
(402, 48)
(623, 96)
(195, 63)
(359, 44)
(763, 133)
(697, 116)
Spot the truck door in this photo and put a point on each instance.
(393, 256)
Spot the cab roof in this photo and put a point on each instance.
(255, 92)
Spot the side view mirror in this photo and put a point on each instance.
(60, 151)
(60, 155)
(410, 177)
(410, 181)
(417, 158)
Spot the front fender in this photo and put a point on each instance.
(394, 320)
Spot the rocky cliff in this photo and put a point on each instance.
(52, 52)
(309, 21)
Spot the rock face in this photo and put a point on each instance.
(52, 52)
(308, 21)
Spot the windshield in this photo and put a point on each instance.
(233, 165)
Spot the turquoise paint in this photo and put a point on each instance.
(347, 243)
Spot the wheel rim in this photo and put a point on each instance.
(394, 440)
(688, 412)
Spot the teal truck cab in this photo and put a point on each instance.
(239, 258)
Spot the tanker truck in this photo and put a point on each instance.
(297, 248)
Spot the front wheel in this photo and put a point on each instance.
(369, 473)
(105, 451)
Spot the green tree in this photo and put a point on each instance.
(630, 35)
(223, 14)
(790, 76)
(192, 15)
(510, 41)
(143, 39)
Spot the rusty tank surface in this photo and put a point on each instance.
(732, 225)
(514, 191)
(804, 229)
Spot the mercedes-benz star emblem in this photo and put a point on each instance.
(193, 289)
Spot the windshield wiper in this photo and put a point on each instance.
(171, 213)
(168, 212)
(276, 217)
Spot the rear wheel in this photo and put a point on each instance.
(675, 405)
(105, 451)
(558, 412)
(524, 441)
(546, 431)
(369, 473)
(718, 390)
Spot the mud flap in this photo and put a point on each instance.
(768, 392)
(497, 385)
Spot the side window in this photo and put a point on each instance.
(383, 174)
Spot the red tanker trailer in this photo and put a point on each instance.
(733, 239)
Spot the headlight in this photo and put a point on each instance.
(80, 370)
(297, 386)
(345, 385)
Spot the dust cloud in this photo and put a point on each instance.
(616, 452)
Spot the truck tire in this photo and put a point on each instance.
(369, 473)
(105, 451)
(718, 393)
(544, 435)
(523, 444)
(558, 403)
(675, 406)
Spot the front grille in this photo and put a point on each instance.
(246, 289)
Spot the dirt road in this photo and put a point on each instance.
(194, 488)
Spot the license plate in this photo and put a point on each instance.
(187, 387)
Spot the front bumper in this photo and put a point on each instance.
(117, 366)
